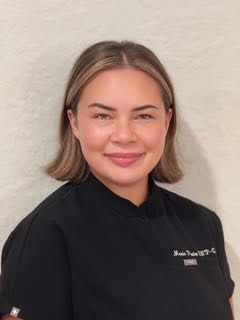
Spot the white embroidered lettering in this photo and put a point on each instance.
(201, 253)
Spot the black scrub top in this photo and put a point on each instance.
(86, 253)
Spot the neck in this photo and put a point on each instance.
(136, 193)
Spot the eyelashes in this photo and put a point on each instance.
(101, 116)
(105, 116)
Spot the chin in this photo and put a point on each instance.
(126, 177)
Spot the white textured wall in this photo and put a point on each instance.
(198, 42)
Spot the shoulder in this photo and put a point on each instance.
(54, 204)
(43, 219)
(57, 198)
(185, 207)
(192, 213)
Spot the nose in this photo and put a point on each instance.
(123, 132)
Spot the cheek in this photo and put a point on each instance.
(92, 137)
(154, 137)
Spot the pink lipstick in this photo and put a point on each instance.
(124, 159)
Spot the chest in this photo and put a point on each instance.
(133, 270)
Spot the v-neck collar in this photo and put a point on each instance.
(151, 208)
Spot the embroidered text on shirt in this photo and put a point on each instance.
(204, 252)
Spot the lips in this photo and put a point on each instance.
(124, 159)
(123, 155)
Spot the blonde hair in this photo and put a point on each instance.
(69, 163)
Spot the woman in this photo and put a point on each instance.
(110, 243)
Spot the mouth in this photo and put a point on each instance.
(123, 155)
(124, 159)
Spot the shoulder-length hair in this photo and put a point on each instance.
(69, 163)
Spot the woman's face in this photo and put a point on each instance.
(107, 122)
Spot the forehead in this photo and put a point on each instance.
(126, 85)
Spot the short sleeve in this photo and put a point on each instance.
(35, 281)
(221, 252)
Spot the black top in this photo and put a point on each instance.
(87, 253)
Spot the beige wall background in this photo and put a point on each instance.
(197, 41)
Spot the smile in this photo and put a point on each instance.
(124, 159)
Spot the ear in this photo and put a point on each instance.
(168, 118)
(73, 123)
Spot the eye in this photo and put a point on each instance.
(145, 116)
(101, 116)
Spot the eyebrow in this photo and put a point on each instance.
(103, 106)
